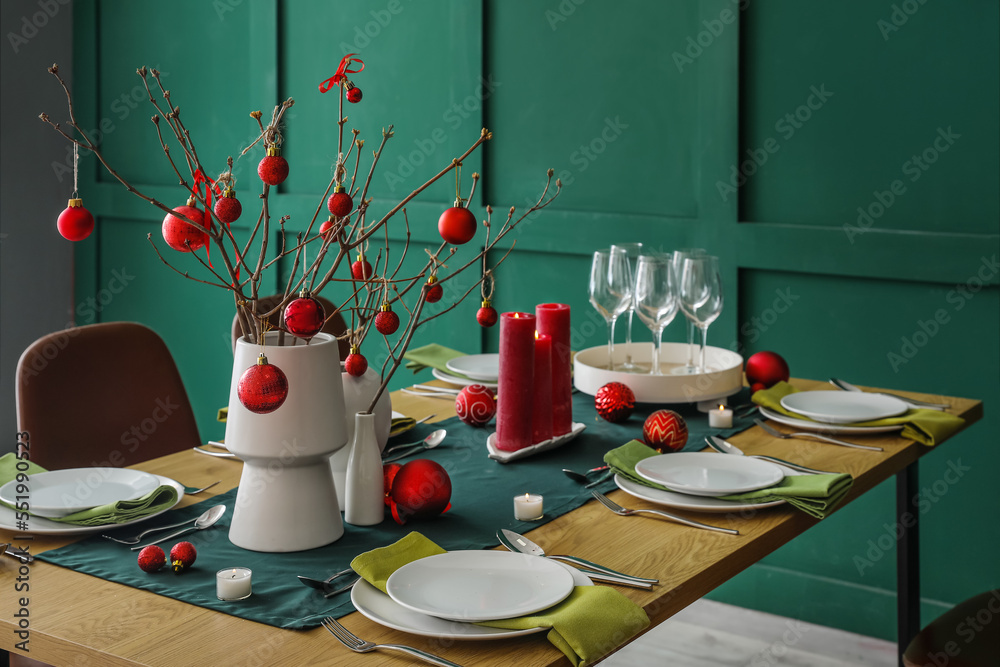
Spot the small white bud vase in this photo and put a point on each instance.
(364, 497)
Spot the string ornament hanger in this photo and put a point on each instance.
(227, 207)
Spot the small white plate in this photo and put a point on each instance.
(379, 607)
(472, 586)
(59, 493)
(682, 501)
(543, 446)
(477, 366)
(843, 407)
(461, 382)
(706, 474)
(843, 429)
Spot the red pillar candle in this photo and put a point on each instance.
(514, 387)
(541, 404)
(553, 320)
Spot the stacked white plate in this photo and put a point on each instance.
(839, 411)
(481, 369)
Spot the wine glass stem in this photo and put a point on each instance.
(690, 333)
(628, 340)
(704, 342)
(657, 340)
(611, 344)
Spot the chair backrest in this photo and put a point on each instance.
(334, 325)
(102, 395)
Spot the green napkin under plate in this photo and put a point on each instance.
(816, 495)
(432, 356)
(583, 626)
(928, 427)
(123, 511)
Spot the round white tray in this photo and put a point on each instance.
(723, 377)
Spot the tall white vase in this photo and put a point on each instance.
(364, 503)
(358, 395)
(286, 499)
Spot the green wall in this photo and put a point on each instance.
(646, 110)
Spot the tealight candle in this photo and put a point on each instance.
(528, 507)
(720, 418)
(233, 583)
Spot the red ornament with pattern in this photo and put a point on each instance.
(614, 402)
(475, 405)
(263, 387)
(665, 431)
(180, 234)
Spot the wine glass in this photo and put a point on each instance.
(632, 250)
(678, 265)
(655, 298)
(701, 295)
(610, 290)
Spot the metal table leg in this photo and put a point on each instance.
(907, 558)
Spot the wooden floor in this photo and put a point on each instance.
(712, 634)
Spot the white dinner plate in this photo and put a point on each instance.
(843, 429)
(379, 607)
(61, 492)
(477, 366)
(40, 526)
(706, 474)
(683, 501)
(475, 586)
(843, 407)
(462, 382)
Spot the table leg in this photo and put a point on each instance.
(907, 558)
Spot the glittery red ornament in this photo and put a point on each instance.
(475, 405)
(180, 234)
(273, 169)
(151, 558)
(615, 402)
(75, 223)
(182, 556)
(325, 228)
(421, 489)
(340, 203)
(361, 269)
(767, 368)
(487, 315)
(355, 364)
(263, 387)
(353, 93)
(665, 431)
(457, 225)
(228, 208)
(389, 471)
(434, 290)
(304, 316)
(386, 321)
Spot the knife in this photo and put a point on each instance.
(847, 386)
(725, 447)
(521, 544)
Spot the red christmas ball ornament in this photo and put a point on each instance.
(180, 234)
(487, 315)
(228, 208)
(665, 431)
(182, 556)
(353, 93)
(355, 364)
(615, 402)
(361, 269)
(151, 558)
(326, 227)
(421, 489)
(263, 387)
(75, 223)
(389, 471)
(340, 203)
(386, 321)
(457, 225)
(475, 405)
(273, 169)
(757, 386)
(304, 316)
(766, 368)
(434, 290)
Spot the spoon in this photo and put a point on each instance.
(726, 447)
(430, 442)
(582, 477)
(209, 518)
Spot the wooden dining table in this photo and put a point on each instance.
(77, 619)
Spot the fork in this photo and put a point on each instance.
(618, 509)
(351, 641)
(191, 491)
(785, 436)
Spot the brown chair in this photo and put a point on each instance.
(334, 325)
(968, 635)
(102, 395)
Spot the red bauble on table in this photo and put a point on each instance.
(420, 489)
(614, 402)
(457, 225)
(182, 556)
(340, 203)
(487, 315)
(389, 471)
(434, 290)
(767, 369)
(228, 208)
(75, 223)
(304, 316)
(665, 431)
(151, 558)
(475, 405)
(263, 387)
(361, 269)
(386, 321)
(180, 234)
(355, 364)
(273, 169)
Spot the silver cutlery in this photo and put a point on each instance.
(8, 549)
(222, 455)
(206, 520)
(190, 491)
(725, 447)
(429, 394)
(816, 436)
(584, 479)
(351, 641)
(138, 538)
(847, 386)
(433, 437)
(439, 390)
(521, 544)
(327, 586)
(618, 509)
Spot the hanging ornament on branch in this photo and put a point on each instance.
(356, 364)
(386, 321)
(340, 78)
(340, 203)
(273, 169)
(304, 316)
(75, 223)
(487, 314)
(227, 207)
(434, 289)
(180, 234)
(457, 225)
(361, 269)
(263, 387)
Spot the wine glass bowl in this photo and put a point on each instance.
(610, 290)
(655, 299)
(700, 293)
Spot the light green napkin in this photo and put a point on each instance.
(816, 495)
(591, 622)
(928, 427)
(432, 356)
(122, 511)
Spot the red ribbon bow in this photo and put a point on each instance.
(342, 72)
(211, 187)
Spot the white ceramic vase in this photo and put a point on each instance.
(358, 395)
(286, 499)
(364, 503)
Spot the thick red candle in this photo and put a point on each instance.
(541, 404)
(514, 387)
(553, 320)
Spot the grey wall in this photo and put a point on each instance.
(36, 263)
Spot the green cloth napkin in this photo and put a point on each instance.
(432, 356)
(928, 427)
(585, 626)
(816, 495)
(122, 511)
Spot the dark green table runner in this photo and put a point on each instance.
(482, 503)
